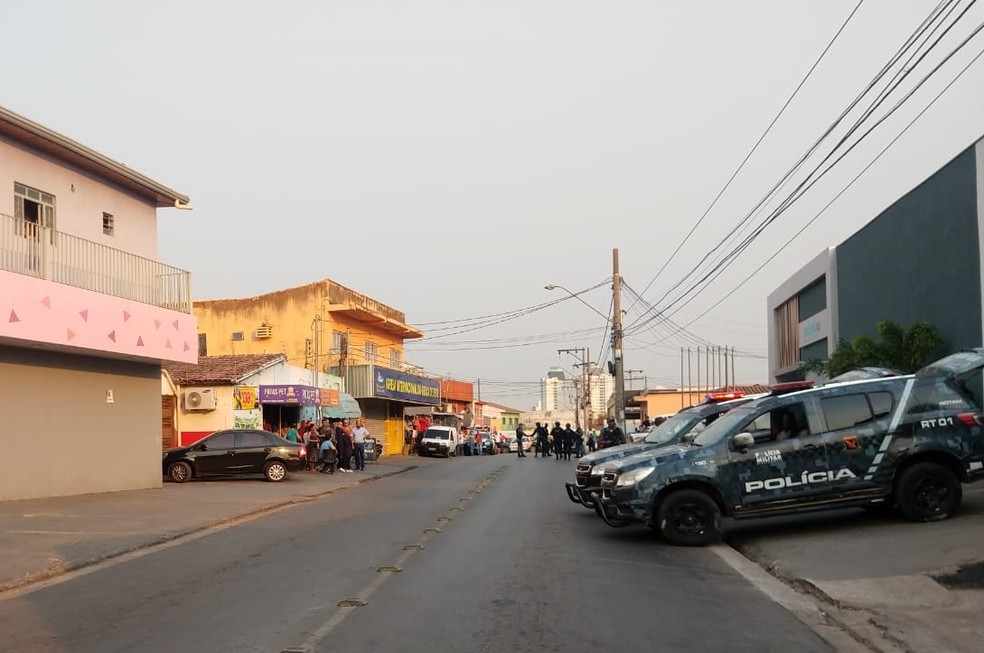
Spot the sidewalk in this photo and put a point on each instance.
(42, 538)
(918, 584)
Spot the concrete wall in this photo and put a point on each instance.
(80, 200)
(291, 314)
(61, 434)
(918, 260)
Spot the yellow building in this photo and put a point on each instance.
(327, 327)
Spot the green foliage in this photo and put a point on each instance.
(902, 349)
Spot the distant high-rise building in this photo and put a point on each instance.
(602, 385)
(557, 391)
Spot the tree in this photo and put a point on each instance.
(902, 349)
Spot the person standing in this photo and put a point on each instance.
(312, 439)
(579, 442)
(359, 435)
(520, 436)
(343, 441)
(557, 434)
(291, 434)
(542, 439)
(611, 435)
(569, 437)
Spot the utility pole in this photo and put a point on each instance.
(617, 343)
(580, 401)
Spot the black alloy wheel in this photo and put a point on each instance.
(927, 492)
(689, 518)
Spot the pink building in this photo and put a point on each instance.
(87, 315)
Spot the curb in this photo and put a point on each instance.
(76, 565)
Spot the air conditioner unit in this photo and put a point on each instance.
(203, 399)
(264, 332)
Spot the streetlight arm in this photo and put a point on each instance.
(553, 286)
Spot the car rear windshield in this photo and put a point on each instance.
(437, 434)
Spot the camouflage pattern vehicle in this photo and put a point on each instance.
(681, 427)
(907, 441)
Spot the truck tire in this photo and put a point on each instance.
(689, 518)
(928, 492)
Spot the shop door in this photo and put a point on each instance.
(168, 433)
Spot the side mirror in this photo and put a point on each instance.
(689, 437)
(743, 441)
(203, 447)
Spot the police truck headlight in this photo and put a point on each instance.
(634, 476)
(597, 470)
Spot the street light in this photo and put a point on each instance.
(554, 286)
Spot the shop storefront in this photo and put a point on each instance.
(285, 405)
(384, 393)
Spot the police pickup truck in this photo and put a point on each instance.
(907, 441)
(681, 427)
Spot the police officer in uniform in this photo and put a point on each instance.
(557, 434)
(520, 436)
(611, 435)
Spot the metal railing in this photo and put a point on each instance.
(34, 250)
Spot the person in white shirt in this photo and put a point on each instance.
(359, 435)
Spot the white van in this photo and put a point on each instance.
(439, 441)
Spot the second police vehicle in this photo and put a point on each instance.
(907, 441)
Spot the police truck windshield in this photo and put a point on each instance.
(671, 428)
(724, 425)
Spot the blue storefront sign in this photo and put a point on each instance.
(406, 387)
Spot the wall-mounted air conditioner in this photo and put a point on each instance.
(263, 332)
(201, 399)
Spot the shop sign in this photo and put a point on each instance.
(398, 385)
(244, 397)
(289, 394)
(329, 397)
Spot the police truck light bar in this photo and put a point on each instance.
(724, 396)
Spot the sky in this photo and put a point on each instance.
(450, 158)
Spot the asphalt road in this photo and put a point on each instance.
(474, 554)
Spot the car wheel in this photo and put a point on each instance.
(275, 471)
(689, 518)
(927, 492)
(179, 472)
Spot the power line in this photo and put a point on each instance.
(725, 261)
(844, 190)
(752, 151)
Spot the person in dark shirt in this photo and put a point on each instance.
(557, 434)
(520, 436)
(611, 435)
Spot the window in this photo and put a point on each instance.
(108, 227)
(370, 352)
(395, 358)
(338, 341)
(223, 440)
(238, 335)
(881, 403)
(202, 344)
(252, 439)
(845, 411)
(36, 208)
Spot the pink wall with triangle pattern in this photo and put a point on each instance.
(38, 311)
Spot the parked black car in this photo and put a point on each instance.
(233, 452)
(907, 441)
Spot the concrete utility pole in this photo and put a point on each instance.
(617, 343)
(580, 401)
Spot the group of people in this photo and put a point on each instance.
(333, 443)
(562, 442)
(558, 442)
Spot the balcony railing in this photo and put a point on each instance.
(38, 251)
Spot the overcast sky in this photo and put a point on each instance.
(450, 158)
